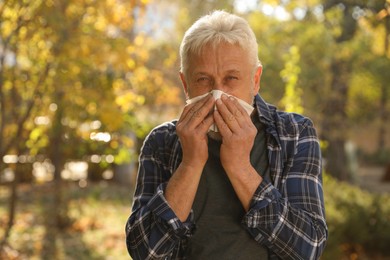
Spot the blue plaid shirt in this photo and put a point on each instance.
(286, 213)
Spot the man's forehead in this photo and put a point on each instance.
(205, 71)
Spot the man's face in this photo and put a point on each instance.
(226, 68)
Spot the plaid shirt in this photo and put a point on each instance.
(286, 213)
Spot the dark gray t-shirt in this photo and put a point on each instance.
(218, 211)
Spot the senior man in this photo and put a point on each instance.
(232, 178)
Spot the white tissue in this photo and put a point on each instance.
(217, 94)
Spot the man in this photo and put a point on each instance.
(252, 188)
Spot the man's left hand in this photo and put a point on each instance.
(238, 134)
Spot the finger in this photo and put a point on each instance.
(223, 128)
(206, 123)
(238, 111)
(185, 111)
(228, 114)
(195, 113)
(189, 108)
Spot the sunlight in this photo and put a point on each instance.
(267, 9)
(278, 11)
(9, 158)
(43, 171)
(243, 6)
(42, 120)
(100, 136)
(281, 13)
(75, 171)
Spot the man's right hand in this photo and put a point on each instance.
(192, 129)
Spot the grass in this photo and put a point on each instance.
(97, 216)
(358, 221)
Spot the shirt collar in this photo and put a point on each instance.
(264, 110)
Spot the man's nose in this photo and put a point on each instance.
(219, 85)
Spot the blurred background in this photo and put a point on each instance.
(82, 82)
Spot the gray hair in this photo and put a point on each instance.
(215, 28)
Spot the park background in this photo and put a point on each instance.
(82, 82)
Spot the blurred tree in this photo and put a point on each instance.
(342, 20)
(377, 27)
(190, 11)
(73, 77)
(23, 72)
(291, 101)
(336, 51)
(384, 17)
(274, 43)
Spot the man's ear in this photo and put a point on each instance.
(184, 83)
(258, 73)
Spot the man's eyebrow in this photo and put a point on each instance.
(233, 71)
(200, 73)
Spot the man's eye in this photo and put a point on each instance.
(203, 79)
(232, 78)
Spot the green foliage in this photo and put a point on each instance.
(273, 42)
(291, 101)
(72, 69)
(358, 221)
(364, 95)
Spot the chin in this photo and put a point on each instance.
(214, 135)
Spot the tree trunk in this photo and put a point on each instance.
(384, 95)
(334, 124)
(383, 119)
(56, 213)
(335, 121)
(11, 211)
(12, 200)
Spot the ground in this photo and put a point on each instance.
(98, 215)
(371, 179)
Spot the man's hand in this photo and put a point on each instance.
(192, 129)
(238, 134)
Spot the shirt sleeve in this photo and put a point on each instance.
(153, 231)
(290, 220)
